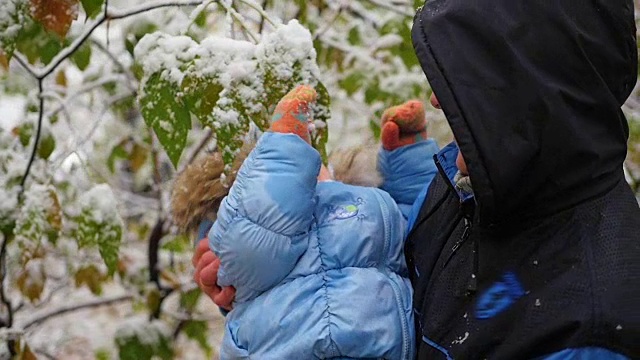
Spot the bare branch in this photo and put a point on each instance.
(8, 322)
(118, 64)
(396, 8)
(72, 308)
(25, 65)
(240, 20)
(260, 10)
(115, 15)
(37, 138)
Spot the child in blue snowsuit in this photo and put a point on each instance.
(318, 267)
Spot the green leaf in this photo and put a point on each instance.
(103, 235)
(179, 244)
(189, 299)
(404, 50)
(118, 153)
(92, 7)
(375, 129)
(143, 341)
(46, 146)
(82, 56)
(140, 30)
(352, 83)
(38, 44)
(201, 95)
(322, 112)
(354, 36)
(102, 354)
(164, 112)
(99, 225)
(201, 19)
(198, 330)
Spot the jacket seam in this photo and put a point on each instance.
(384, 268)
(332, 348)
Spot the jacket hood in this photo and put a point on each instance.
(533, 93)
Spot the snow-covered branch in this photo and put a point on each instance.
(39, 319)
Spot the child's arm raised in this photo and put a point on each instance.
(406, 158)
(263, 225)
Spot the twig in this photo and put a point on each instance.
(205, 139)
(25, 65)
(118, 64)
(329, 24)
(240, 20)
(36, 140)
(384, 4)
(262, 17)
(260, 10)
(8, 322)
(72, 308)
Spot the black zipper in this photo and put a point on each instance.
(465, 235)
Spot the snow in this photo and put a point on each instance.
(11, 19)
(101, 204)
(460, 339)
(148, 333)
(12, 110)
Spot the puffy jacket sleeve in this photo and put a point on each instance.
(263, 224)
(407, 171)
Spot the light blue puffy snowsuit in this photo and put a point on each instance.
(318, 267)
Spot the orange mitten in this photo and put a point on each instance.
(292, 115)
(403, 125)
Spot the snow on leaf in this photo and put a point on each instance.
(55, 15)
(31, 280)
(11, 22)
(90, 276)
(165, 112)
(227, 84)
(139, 339)
(37, 221)
(99, 224)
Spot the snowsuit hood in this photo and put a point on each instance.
(533, 93)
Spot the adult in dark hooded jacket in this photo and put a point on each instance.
(543, 259)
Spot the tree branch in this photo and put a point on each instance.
(72, 308)
(36, 140)
(106, 16)
(387, 5)
(8, 322)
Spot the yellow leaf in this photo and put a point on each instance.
(61, 79)
(92, 277)
(153, 300)
(31, 281)
(138, 157)
(54, 214)
(173, 281)
(55, 15)
(27, 354)
(4, 62)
